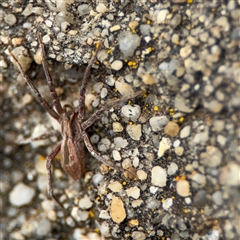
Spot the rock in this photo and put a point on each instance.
(230, 175)
(158, 122)
(183, 188)
(21, 195)
(85, 202)
(131, 112)
(212, 157)
(181, 104)
(172, 168)
(164, 145)
(142, 175)
(167, 203)
(115, 186)
(128, 42)
(134, 131)
(159, 176)
(116, 65)
(117, 210)
(185, 132)
(171, 129)
(133, 192)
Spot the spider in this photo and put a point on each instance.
(73, 125)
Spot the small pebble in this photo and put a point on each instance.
(133, 192)
(104, 145)
(131, 112)
(21, 195)
(167, 203)
(214, 106)
(85, 202)
(117, 65)
(217, 198)
(179, 151)
(164, 145)
(117, 210)
(161, 16)
(148, 79)
(120, 142)
(104, 214)
(171, 129)
(212, 157)
(142, 175)
(138, 235)
(134, 131)
(22, 56)
(128, 42)
(183, 188)
(101, 8)
(116, 155)
(185, 132)
(115, 186)
(172, 168)
(10, 19)
(159, 176)
(117, 127)
(230, 174)
(158, 122)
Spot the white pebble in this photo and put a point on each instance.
(185, 132)
(115, 186)
(142, 175)
(131, 112)
(85, 203)
(104, 214)
(116, 65)
(135, 131)
(158, 122)
(116, 155)
(128, 42)
(172, 168)
(21, 195)
(164, 145)
(183, 188)
(133, 192)
(101, 8)
(230, 174)
(117, 127)
(159, 176)
(104, 145)
(120, 142)
(167, 203)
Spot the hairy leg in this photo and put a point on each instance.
(81, 104)
(98, 113)
(55, 98)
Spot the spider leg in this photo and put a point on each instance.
(49, 159)
(95, 153)
(108, 106)
(53, 92)
(41, 137)
(36, 93)
(81, 105)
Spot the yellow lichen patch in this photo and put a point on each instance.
(91, 214)
(132, 64)
(124, 183)
(177, 178)
(130, 123)
(171, 111)
(183, 177)
(185, 210)
(155, 108)
(189, 1)
(181, 119)
(163, 200)
(148, 22)
(41, 158)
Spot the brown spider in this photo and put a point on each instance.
(73, 126)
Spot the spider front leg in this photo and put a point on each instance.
(81, 104)
(49, 159)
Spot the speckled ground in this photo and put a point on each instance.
(181, 137)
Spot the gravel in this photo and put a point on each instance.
(178, 140)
